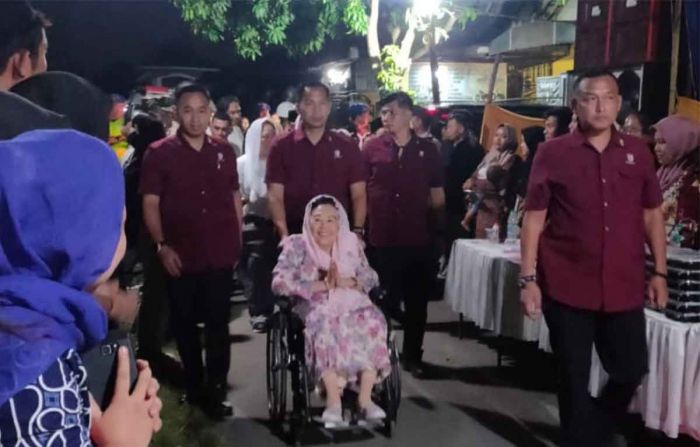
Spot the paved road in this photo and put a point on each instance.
(468, 401)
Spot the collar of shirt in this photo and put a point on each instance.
(389, 141)
(300, 135)
(580, 140)
(186, 144)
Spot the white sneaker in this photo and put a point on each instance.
(332, 417)
(372, 412)
(259, 324)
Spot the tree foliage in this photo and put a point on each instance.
(303, 26)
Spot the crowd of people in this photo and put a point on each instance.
(291, 207)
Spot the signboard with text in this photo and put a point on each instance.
(460, 82)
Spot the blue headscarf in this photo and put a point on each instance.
(61, 210)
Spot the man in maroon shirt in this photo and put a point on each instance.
(593, 201)
(192, 209)
(312, 160)
(404, 191)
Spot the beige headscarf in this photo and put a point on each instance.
(682, 137)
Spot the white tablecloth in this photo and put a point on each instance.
(481, 284)
(669, 397)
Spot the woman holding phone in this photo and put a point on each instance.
(62, 236)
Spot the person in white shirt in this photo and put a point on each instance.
(259, 233)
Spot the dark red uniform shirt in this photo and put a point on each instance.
(197, 209)
(591, 253)
(398, 190)
(305, 170)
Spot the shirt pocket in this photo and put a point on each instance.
(628, 186)
(574, 186)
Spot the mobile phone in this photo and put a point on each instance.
(101, 365)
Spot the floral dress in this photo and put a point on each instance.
(681, 209)
(53, 411)
(345, 341)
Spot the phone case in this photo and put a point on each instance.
(101, 366)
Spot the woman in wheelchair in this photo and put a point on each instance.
(345, 333)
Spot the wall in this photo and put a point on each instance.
(460, 82)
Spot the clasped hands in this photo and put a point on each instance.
(333, 280)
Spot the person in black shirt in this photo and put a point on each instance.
(465, 156)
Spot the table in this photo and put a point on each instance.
(669, 397)
(481, 285)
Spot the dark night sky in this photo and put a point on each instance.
(105, 40)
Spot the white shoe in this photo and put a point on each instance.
(332, 417)
(372, 412)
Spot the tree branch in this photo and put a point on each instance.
(423, 50)
(407, 42)
(373, 31)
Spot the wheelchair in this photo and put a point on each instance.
(288, 375)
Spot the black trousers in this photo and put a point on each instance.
(407, 274)
(154, 310)
(620, 340)
(260, 253)
(202, 296)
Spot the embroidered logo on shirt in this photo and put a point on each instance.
(421, 153)
(337, 155)
(220, 159)
(630, 159)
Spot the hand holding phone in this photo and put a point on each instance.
(131, 417)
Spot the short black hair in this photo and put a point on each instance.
(191, 88)
(596, 73)
(323, 200)
(422, 114)
(564, 115)
(21, 29)
(463, 118)
(222, 116)
(226, 101)
(402, 99)
(313, 85)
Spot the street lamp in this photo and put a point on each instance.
(427, 8)
(338, 76)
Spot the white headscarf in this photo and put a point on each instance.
(253, 167)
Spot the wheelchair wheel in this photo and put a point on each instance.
(391, 392)
(277, 363)
(395, 377)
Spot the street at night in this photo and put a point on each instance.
(372, 223)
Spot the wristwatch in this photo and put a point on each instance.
(359, 231)
(523, 280)
(159, 246)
